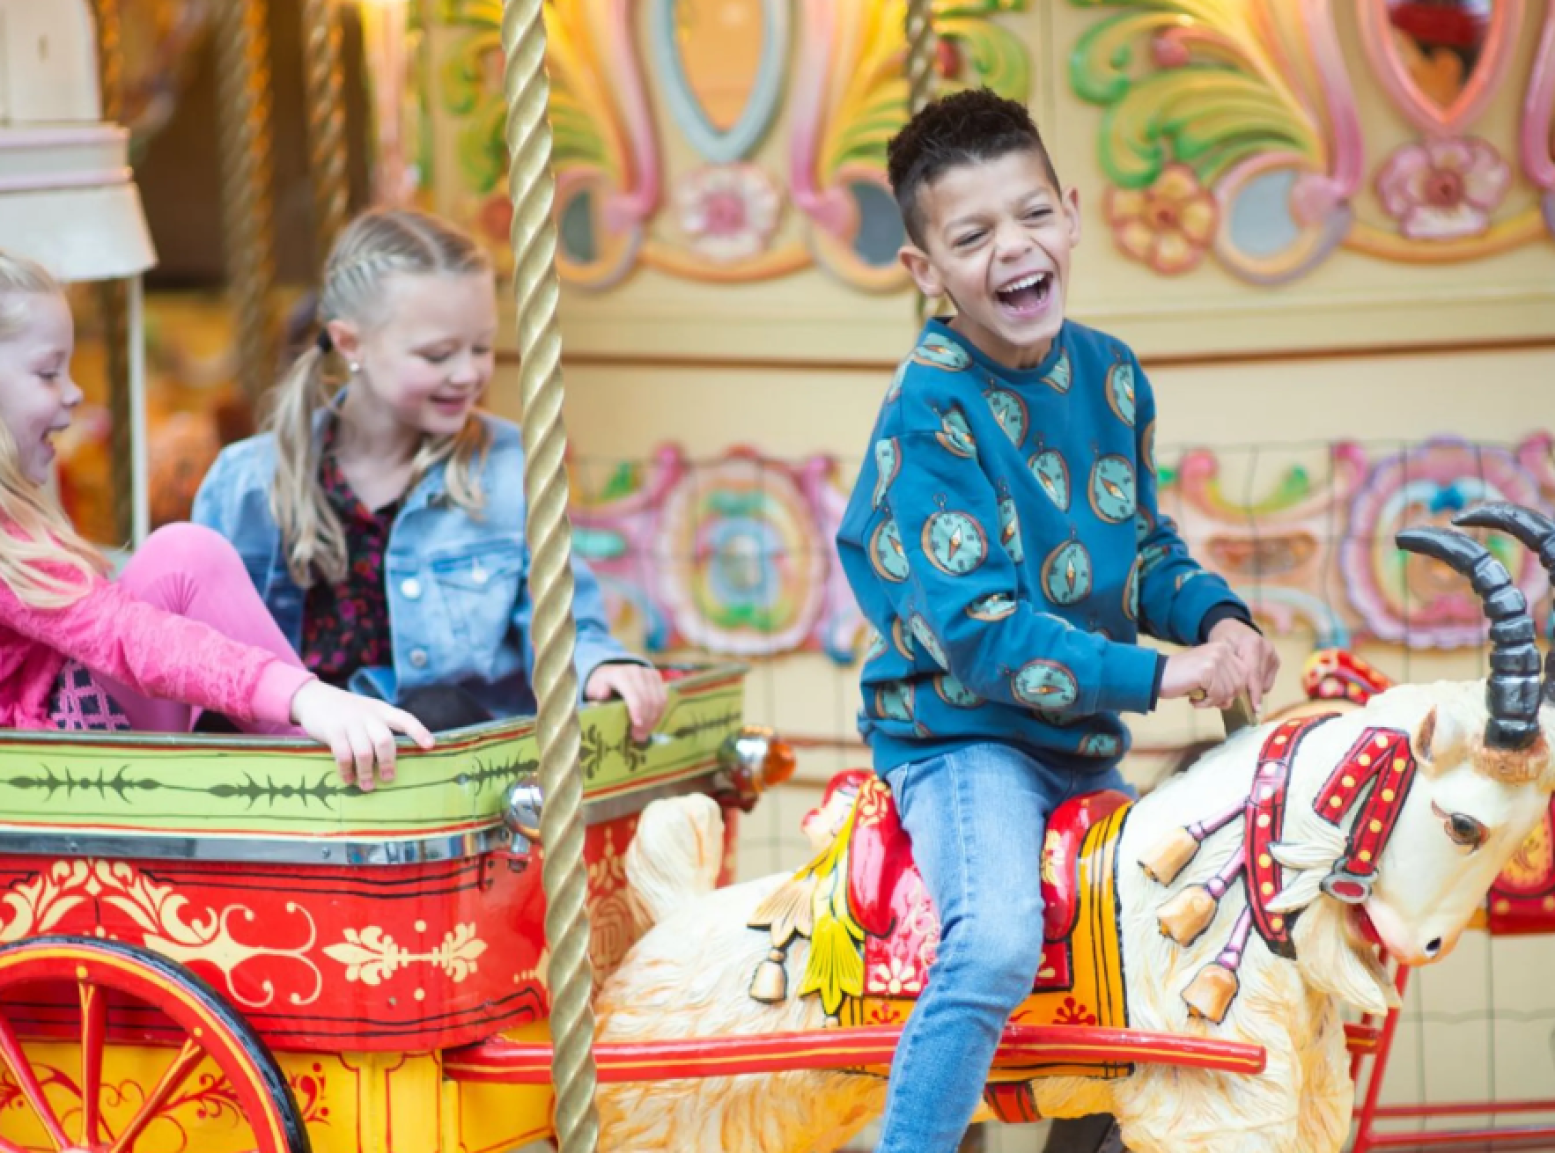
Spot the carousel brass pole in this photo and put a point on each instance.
(536, 289)
(111, 299)
(922, 45)
(922, 56)
(327, 152)
(243, 90)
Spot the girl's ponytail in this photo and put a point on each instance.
(314, 538)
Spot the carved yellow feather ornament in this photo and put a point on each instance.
(835, 967)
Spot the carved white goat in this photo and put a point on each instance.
(1389, 823)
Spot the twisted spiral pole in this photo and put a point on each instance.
(922, 58)
(536, 288)
(112, 298)
(243, 90)
(922, 48)
(323, 83)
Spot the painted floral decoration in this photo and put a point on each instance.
(896, 977)
(1168, 226)
(729, 211)
(1071, 1012)
(1443, 189)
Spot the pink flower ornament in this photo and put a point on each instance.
(729, 212)
(1443, 189)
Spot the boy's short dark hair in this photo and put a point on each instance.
(969, 127)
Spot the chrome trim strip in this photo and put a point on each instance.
(259, 851)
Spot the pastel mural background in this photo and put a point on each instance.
(1332, 149)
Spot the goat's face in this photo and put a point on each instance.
(1469, 811)
(1483, 751)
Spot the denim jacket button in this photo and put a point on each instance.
(411, 588)
(418, 657)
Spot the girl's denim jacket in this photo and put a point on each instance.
(457, 586)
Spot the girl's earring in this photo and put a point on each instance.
(355, 368)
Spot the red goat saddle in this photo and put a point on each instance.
(874, 931)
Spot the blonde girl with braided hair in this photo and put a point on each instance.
(179, 631)
(381, 514)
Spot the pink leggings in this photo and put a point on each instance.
(195, 572)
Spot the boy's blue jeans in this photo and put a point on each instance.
(976, 817)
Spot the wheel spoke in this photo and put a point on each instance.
(27, 1081)
(188, 1059)
(210, 1034)
(94, 1028)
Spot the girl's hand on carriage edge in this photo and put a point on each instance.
(358, 730)
(640, 686)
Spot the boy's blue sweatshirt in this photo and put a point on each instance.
(1004, 541)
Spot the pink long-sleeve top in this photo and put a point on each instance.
(158, 653)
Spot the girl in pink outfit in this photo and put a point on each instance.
(181, 630)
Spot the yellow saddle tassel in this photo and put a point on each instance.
(769, 984)
(1210, 994)
(1185, 917)
(1169, 856)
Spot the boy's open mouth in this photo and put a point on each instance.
(1027, 296)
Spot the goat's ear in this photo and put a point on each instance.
(1425, 737)
(1438, 739)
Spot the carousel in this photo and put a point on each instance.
(209, 943)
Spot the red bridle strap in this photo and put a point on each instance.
(1380, 761)
(1265, 820)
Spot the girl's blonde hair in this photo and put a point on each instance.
(376, 245)
(35, 530)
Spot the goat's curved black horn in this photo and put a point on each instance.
(1537, 532)
(1528, 525)
(1512, 694)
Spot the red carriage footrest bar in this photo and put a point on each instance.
(1027, 1047)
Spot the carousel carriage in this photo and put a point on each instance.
(212, 944)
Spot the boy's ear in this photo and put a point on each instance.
(1071, 198)
(922, 270)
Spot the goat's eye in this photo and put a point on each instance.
(1462, 829)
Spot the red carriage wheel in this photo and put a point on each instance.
(154, 999)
